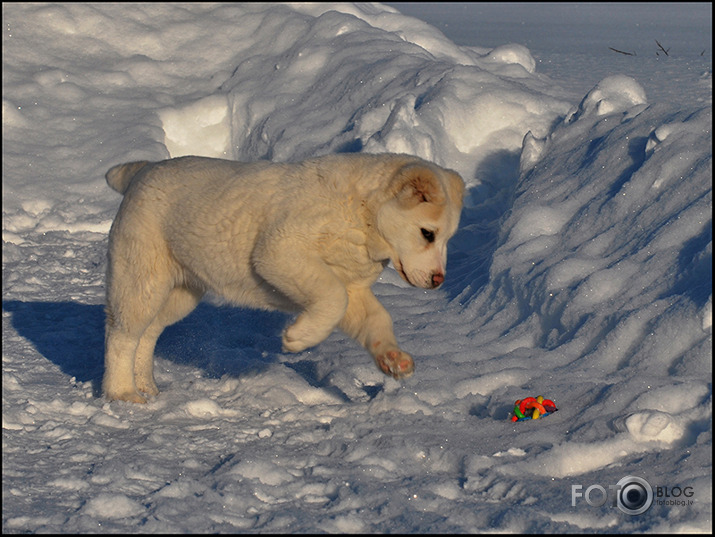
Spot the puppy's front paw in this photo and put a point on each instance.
(304, 333)
(395, 363)
(291, 343)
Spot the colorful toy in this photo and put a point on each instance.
(541, 407)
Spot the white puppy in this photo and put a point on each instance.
(310, 237)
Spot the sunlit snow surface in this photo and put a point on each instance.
(582, 271)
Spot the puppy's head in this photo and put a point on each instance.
(420, 215)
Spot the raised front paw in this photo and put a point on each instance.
(305, 332)
(293, 342)
(395, 363)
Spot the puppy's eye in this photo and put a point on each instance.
(427, 234)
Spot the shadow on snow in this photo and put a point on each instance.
(220, 340)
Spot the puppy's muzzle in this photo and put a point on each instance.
(437, 279)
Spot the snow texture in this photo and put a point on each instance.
(582, 271)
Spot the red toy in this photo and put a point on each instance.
(541, 407)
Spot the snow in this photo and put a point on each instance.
(582, 270)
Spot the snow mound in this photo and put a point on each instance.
(616, 93)
(514, 54)
(112, 506)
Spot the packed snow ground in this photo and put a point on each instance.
(582, 271)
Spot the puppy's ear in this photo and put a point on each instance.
(415, 184)
(455, 186)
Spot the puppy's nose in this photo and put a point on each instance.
(437, 279)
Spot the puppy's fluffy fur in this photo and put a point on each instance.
(309, 237)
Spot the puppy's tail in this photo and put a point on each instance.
(120, 176)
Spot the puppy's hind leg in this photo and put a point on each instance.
(136, 291)
(119, 348)
(179, 304)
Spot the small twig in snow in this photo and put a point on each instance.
(621, 52)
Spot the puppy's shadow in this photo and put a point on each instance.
(69, 334)
(224, 340)
(218, 339)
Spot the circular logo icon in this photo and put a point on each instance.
(635, 496)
